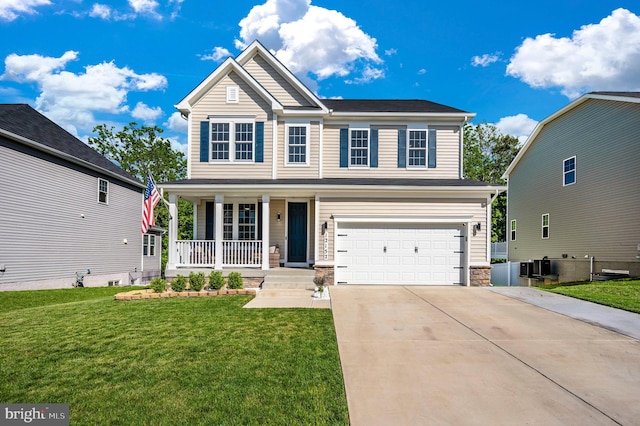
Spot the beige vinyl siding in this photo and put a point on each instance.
(288, 171)
(277, 229)
(409, 208)
(214, 103)
(275, 84)
(598, 215)
(447, 155)
(44, 235)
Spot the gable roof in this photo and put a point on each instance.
(633, 97)
(389, 105)
(25, 125)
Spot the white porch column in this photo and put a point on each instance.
(173, 232)
(219, 234)
(265, 231)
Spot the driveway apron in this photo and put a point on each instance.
(469, 356)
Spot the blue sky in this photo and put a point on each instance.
(84, 63)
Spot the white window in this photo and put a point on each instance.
(103, 191)
(232, 94)
(513, 230)
(545, 225)
(227, 225)
(417, 148)
(239, 221)
(358, 147)
(148, 245)
(569, 171)
(232, 139)
(297, 144)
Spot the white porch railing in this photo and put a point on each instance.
(236, 253)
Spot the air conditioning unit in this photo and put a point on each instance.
(541, 267)
(526, 269)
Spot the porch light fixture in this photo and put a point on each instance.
(278, 216)
(477, 226)
(324, 227)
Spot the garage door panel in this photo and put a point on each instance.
(362, 259)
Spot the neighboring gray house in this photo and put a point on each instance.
(574, 189)
(65, 209)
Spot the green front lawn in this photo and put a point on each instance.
(170, 361)
(621, 294)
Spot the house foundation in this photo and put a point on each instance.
(480, 276)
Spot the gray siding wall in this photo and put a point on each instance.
(599, 215)
(45, 237)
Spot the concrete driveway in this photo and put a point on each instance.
(470, 356)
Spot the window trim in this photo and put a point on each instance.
(545, 215)
(426, 147)
(106, 191)
(233, 94)
(565, 173)
(513, 230)
(234, 225)
(148, 245)
(351, 149)
(307, 145)
(232, 121)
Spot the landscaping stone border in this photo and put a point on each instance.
(149, 294)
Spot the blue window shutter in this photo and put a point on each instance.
(402, 148)
(259, 142)
(344, 147)
(204, 141)
(432, 149)
(373, 141)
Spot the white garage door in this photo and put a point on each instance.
(399, 254)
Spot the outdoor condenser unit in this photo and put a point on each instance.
(526, 269)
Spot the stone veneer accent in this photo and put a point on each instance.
(149, 294)
(326, 272)
(480, 276)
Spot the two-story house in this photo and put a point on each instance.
(368, 191)
(67, 213)
(574, 191)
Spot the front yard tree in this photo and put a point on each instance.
(141, 150)
(487, 154)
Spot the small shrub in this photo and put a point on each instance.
(318, 280)
(197, 281)
(235, 280)
(179, 283)
(216, 280)
(158, 285)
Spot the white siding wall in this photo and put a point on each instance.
(598, 215)
(44, 236)
(409, 208)
(271, 80)
(288, 171)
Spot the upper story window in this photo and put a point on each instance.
(569, 171)
(359, 147)
(233, 96)
(232, 140)
(545, 225)
(103, 191)
(417, 148)
(513, 230)
(297, 144)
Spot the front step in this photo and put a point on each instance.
(289, 278)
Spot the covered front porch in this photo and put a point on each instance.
(243, 231)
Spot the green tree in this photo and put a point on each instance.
(141, 150)
(487, 154)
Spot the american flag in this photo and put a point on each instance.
(151, 199)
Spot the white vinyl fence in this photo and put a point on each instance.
(505, 273)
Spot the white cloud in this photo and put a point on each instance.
(11, 9)
(144, 6)
(176, 123)
(602, 56)
(519, 125)
(391, 52)
(101, 11)
(311, 39)
(422, 71)
(485, 60)
(68, 98)
(145, 113)
(218, 55)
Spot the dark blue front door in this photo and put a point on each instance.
(297, 235)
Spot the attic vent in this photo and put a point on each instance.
(232, 94)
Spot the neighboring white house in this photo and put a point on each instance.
(366, 191)
(574, 190)
(66, 211)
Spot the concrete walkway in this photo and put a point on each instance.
(472, 356)
(287, 298)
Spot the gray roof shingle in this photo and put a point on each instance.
(388, 105)
(23, 120)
